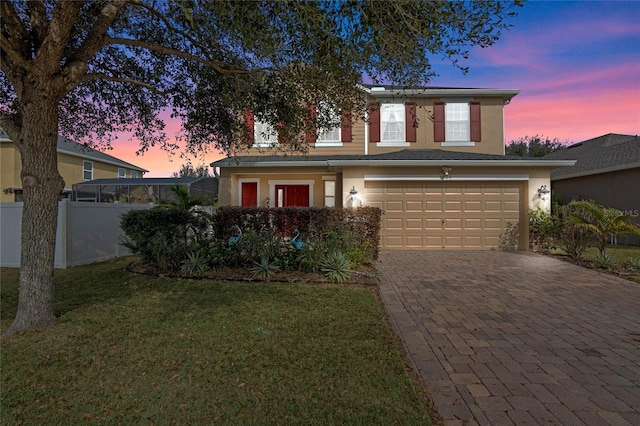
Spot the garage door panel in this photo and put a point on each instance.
(445, 215)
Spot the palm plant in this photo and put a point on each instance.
(603, 222)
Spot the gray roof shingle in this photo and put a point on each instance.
(598, 155)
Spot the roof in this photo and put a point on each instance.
(388, 91)
(143, 181)
(607, 153)
(67, 146)
(407, 157)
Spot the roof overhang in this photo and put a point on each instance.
(598, 171)
(382, 92)
(398, 163)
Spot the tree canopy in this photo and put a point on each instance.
(189, 170)
(89, 70)
(532, 146)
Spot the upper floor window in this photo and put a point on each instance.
(392, 122)
(134, 174)
(87, 170)
(264, 135)
(122, 173)
(331, 115)
(457, 123)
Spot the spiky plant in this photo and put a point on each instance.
(264, 269)
(336, 267)
(603, 222)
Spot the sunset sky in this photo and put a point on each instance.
(577, 64)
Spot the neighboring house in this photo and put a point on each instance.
(431, 158)
(607, 171)
(148, 190)
(76, 163)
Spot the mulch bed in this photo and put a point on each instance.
(365, 275)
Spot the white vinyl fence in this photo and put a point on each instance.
(86, 233)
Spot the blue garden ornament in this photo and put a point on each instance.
(296, 242)
(237, 236)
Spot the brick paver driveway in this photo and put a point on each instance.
(517, 338)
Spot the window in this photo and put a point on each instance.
(122, 173)
(329, 193)
(328, 114)
(87, 170)
(392, 122)
(457, 123)
(264, 135)
(134, 174)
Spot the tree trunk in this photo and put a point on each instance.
(41, 183)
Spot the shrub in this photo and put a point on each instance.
(264, 269)
(336, 267)
(605, 260)
(542, 230)
(568, 237)
(195, 264)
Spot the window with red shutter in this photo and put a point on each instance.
(374, 122)
(346, 130)
(474, 118)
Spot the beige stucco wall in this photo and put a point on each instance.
(10, 170)
(492, 131)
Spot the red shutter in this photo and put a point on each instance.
(474, 115)
(374, 122)
(345, 122)
(310, 135)
(249, 121)
(410, 121)
(282, 134)
(438, 122)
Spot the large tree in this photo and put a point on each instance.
(91, 69)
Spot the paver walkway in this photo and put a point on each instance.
(517, 338)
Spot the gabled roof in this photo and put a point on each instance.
(607, 153)
(407, 157)
(67, 146)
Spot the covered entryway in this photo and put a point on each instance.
(440, 215)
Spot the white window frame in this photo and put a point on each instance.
(262, 129)
(450, 120)
(328, 137)
(329, 192)
(400, 120)
(87, 167)
(134, 174)
(122, 173)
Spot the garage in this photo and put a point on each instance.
(445, 215)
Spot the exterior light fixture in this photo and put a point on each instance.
(445, 173)
(353, 196)
(543, 193)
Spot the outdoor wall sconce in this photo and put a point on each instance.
(543, 193)
(445, 173)
(353, 196)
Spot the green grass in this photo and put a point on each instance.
(133, 349)
(620, 252)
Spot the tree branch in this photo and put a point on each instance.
(7, 122)
(103, 76)
(39, 22)
(94, 40)
(14, 34)
(215, 65)
(54, 43)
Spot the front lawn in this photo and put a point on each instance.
(133, 349)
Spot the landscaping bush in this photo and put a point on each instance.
(187, 241)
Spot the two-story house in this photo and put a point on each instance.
(76, 163)
(431, 158)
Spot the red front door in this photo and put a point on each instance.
(292, 195)
(249, 194)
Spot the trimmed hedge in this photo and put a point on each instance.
(361, 224)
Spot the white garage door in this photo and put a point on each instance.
(445, 215)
